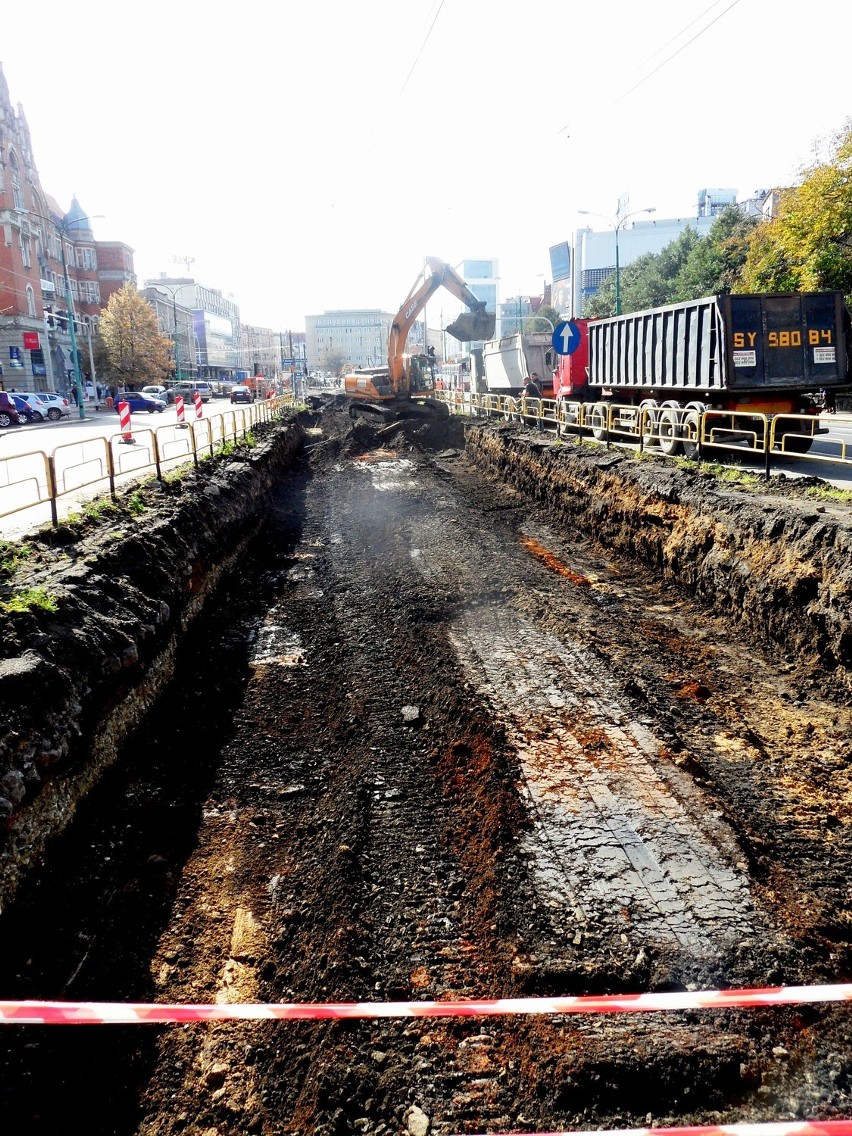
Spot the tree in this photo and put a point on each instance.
(689, 267)
(136, 353)
(333, 360)
(715, 263)
(808, 246)
(538, 322)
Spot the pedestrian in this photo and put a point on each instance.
(829, 400)
(531, 388)
(538, 383)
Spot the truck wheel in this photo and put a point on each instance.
(689, 429)
(649, 428)
(793, 443)
(567, 415)
(668, 428)
(597, 420)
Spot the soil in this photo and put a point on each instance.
(430, 743)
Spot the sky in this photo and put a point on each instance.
(304, 156)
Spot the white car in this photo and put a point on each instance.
(57, 406)
(162, 393)
(40, 403)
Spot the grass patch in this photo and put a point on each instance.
(12, 556)
(29, 599)
(829, 493)
(136, 503)
(95, 510)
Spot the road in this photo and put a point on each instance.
(79, 448)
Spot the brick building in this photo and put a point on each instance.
(45, 254)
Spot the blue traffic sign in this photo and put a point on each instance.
(566, 337)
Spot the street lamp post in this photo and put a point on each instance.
(617, 223)
(63, 230)
(69, 303)
(173, 293)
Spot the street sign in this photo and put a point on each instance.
(566, 337)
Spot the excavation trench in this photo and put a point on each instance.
(444, 734)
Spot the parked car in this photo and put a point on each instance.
(57, 406)
(163, 393)
(137, 400)
(9, 413)
(26, 411)
(39, 409)
(242, 394)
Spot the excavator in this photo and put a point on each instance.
(396, 391)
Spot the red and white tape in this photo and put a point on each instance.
(89, 1013)
(774, 1128)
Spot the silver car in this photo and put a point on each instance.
(57, 406)
(42, 405)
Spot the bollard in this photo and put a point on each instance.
(180, 412)
(197, 398)
(124, 422)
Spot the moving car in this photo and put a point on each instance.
(187, 390)
(137, 401)
(163, 393)
(9, 413)
(242, 394)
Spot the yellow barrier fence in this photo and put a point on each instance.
(39, 478)
(690, 431)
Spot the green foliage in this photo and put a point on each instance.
(29, 598)
(12, 556)
(136, 353)
(538, 322)
(94, 510)
(689, 267)
(829, 493)
(808, 245)
(136, 503)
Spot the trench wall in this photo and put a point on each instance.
(777, 564)
(74, 683)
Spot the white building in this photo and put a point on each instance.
(360, 336)
(594, 249)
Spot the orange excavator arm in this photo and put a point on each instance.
(478, 324)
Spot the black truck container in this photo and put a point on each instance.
(761, 351)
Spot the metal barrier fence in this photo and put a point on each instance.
(690, 431)
(39, 478)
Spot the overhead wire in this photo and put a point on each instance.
(668, 58)
(422, 47)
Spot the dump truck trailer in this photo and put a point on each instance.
(508, 362)
(766, 353)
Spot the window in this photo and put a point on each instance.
(31, 308)
(24, 242)
(17, 195)
(85, 258)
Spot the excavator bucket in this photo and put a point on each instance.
(471, 326)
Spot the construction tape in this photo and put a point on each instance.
(92, 1013)
(774, 1128)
